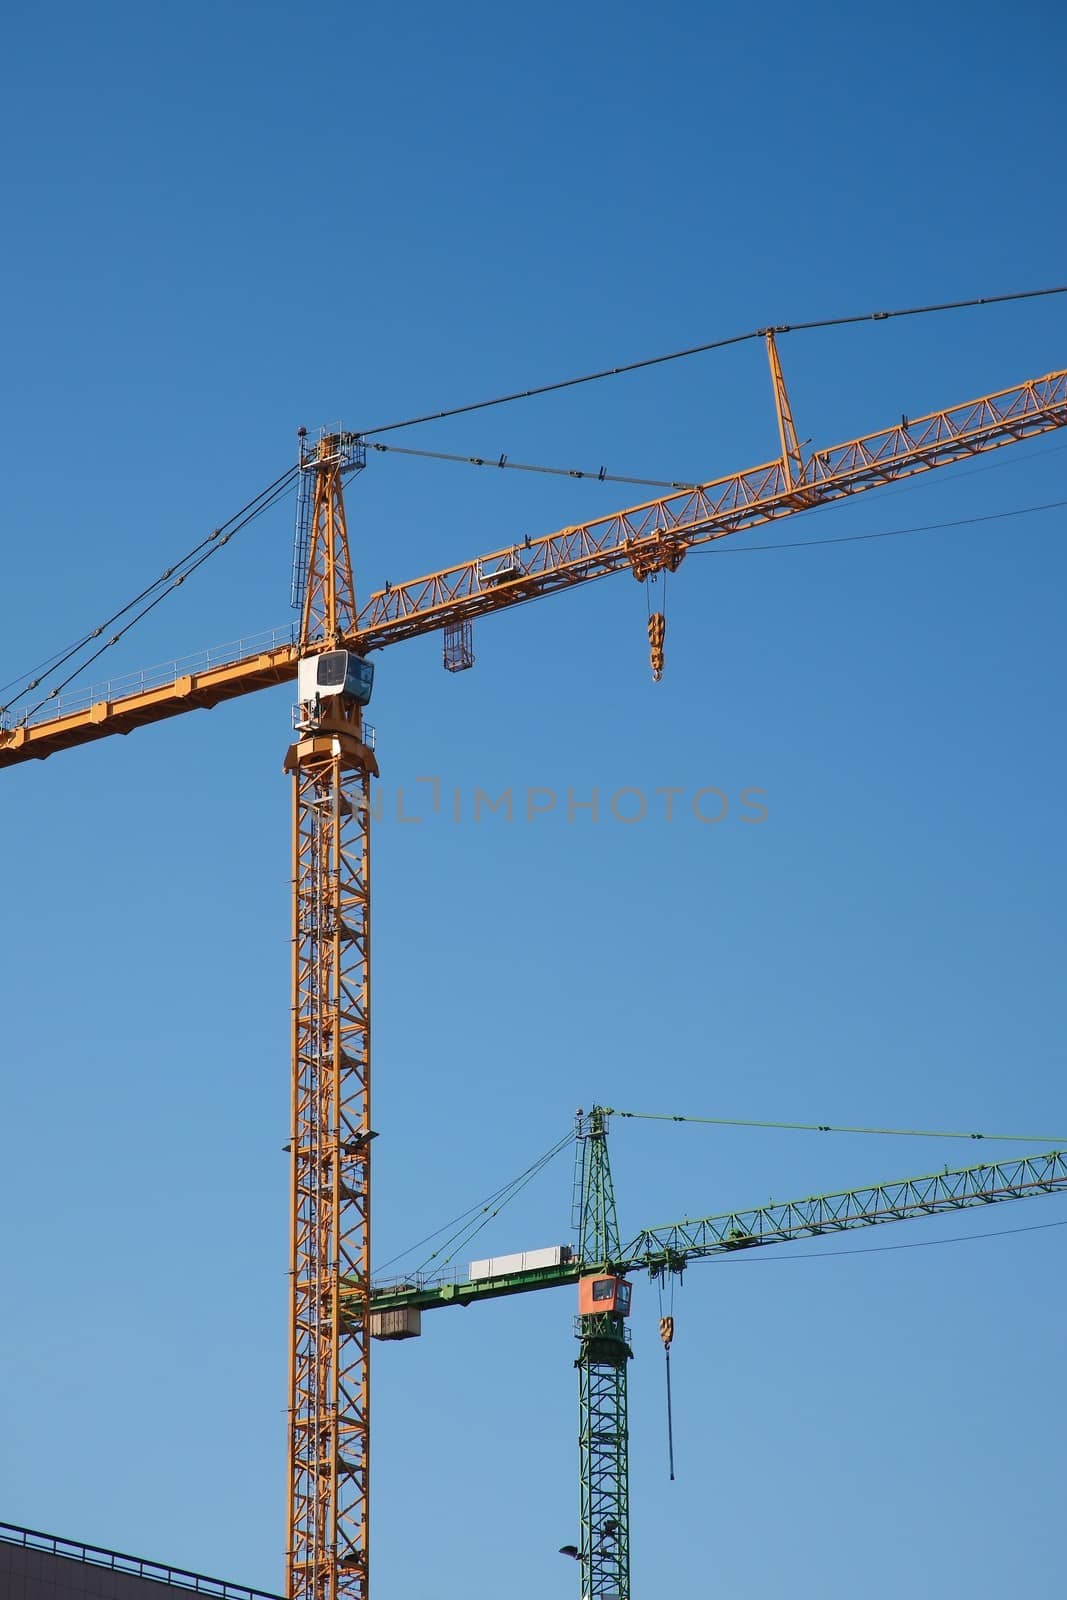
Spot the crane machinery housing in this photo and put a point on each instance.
(332, 764)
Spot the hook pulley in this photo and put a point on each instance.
(657, 630)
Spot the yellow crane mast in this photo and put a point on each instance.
(332, 764)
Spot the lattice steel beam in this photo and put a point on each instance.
(642, 538)
(329, 1381)
(329, 1353)
(603, 1430)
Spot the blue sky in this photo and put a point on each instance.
(224, 222)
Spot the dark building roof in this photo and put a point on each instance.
(40, 1566)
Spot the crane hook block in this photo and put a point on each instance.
(657, 628)
(666, 1331)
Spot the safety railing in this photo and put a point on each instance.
(419, 1280)
(159, 677)
(158, 1572)
(303, 722)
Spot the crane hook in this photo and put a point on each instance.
(657, 628)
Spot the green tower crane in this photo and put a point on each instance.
(600, 1266)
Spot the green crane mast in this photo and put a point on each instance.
(603, 1439)
(599, 1268)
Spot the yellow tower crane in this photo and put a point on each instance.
(332, 764)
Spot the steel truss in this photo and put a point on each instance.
(651, 537)
(603, 1445)
(329, 1381)
(329, 1373)
(603, 1432)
